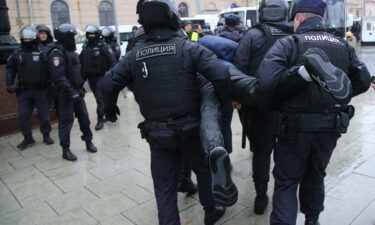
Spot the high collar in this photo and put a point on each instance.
(310, 25)
(160, 34)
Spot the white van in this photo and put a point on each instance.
(248, 15)
(368, 30)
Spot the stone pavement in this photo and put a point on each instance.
(114, 186)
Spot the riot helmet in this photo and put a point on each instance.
(159, 13)
(273, 10)
(108, 34)
(43, 28)
(92, 33)
(29, 38)
(65, 35)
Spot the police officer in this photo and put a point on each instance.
(96, 58)
(65, 68)
(46, 43)
(108, 35)
(232, 28)
(185, 183)
(30, 66)
(258, 124)
(161, 71)
(45, 36)
(309, 122)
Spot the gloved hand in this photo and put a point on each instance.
(111, 113)
(304, 74)
(11, 89)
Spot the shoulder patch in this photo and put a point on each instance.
(56, 61)
(156, 50)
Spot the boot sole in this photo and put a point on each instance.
(224, 190)
(27, 146)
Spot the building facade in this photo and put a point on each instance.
(82, 12)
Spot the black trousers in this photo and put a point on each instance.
(94, 83)
(27, 101)
(259, 130)
(67, 110)
(165, 166)
(301, 162)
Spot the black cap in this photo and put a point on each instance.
(317, 7)
(232, 20)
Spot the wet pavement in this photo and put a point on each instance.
(114, 186)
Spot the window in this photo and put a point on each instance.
(106, 13)
(59, 13)
(183, 9)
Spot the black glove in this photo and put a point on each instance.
(11, 89)
(111, 113)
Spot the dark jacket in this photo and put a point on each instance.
(254, 44)
(283, 56)
(232, 33)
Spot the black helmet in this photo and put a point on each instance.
(65, 35)
(159, 13)
(139, 6)
(29, 38)
(108, 34)
(42, 27)
(93, 29)
(273, 10)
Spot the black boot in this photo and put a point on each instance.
(47, 139)
(99, 125)
(224, 190)
(211, 217)
(68, 155)
(187, 186)
(91, 147)
(261, 199)
(312, 219)
(28, 141)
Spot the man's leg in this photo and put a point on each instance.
(25, 109)
(262, 142)
(80, 110)
(66, 120)
(42, 106)
(164, 170)
(291, 159)
(185, 184)
(94, 84)
(311, 191)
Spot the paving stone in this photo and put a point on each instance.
(75, 181)
(137, 214)
(137, 194)
(104, 209)
(367, 168)
(73, 217)
(5, 167)
(367, 217)
(8, 203)
(26, 161)
(39, 214)
(249, 218)
(117, 220)
(71, 200)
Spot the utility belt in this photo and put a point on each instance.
(166, 134)
(288, 125)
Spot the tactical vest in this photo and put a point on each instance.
(272, 35)
(163, 90)
(32, 70)
(73, 69)
(94, 62)
(314, 98)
